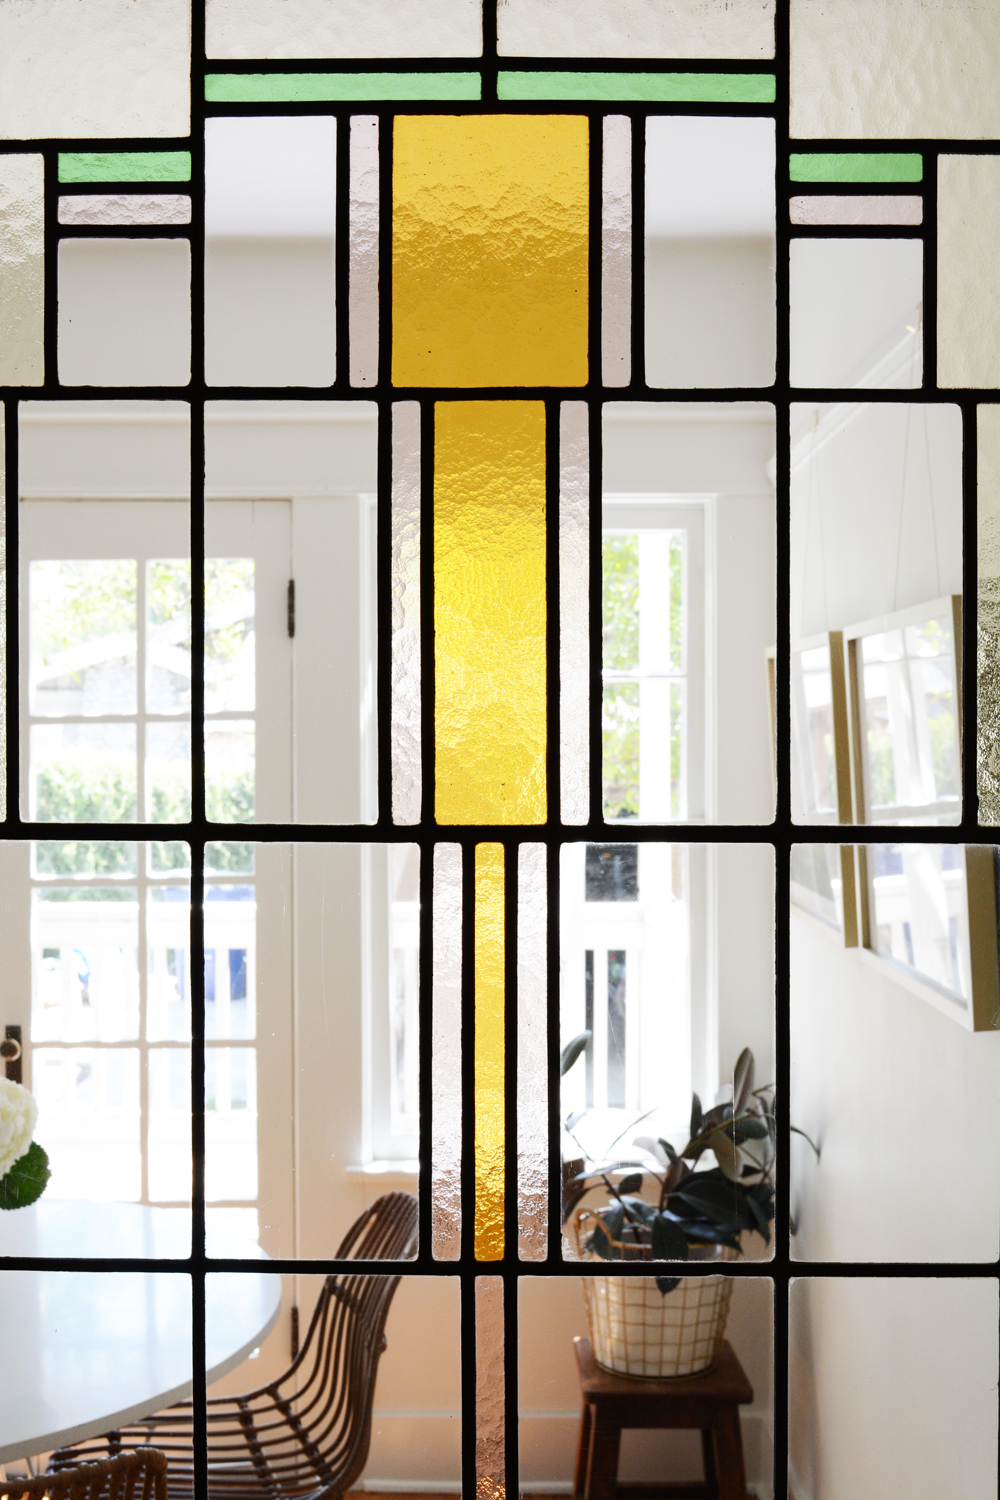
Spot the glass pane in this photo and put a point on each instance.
(170, 1125)
(230, 1123)
(310, 28)
(84, 942)
(229, 634)
(168, 772)
(22, 296)
(967, 299)
(229, 770)
(168, 998)
(988, 654)
(168, 636)
(83, 773)
(532, 1050)
(920, 913)
(587, 28)
(82, 626)
(446, 1118)
(856, 312)
(490, 1059)
(574, 612)
(814, 771)
(406, 647)
(817, 883)
(124, 311)
(230, 961)
(88, 1121)
(616, 252)
(364, 232)
(404, 980)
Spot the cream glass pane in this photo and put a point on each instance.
(855, 317)
(82, 773)
(169, 1138)
(822, 208)
(86, 981)
(168, 995)
(636, 28)
(709, 251)
(109, 68)
(269, 226)
(88, 1119)
(968, 279)
(446, 1120)
(363, 331)
(574, 612)
(406, 718)
(616, 252)
(124, 312)
(929, 70)
(988, 535)
(22, 292)
(125, 208)
(351, 28)
(532, 1032)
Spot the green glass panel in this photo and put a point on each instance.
(856, 166)
(310, 88)
(682, 88)
(124, 166)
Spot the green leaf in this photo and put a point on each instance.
(572, 1051)
(750, 1128)
(722, 1201)
(674, 1158)
(720, 1141)
(599, 1244)
(742, 1080)
(630, 1184)
(697, 1119)
(612, 1219)
(669, 1240)
(714, 1234)
(640, 1209)
(26, 1180)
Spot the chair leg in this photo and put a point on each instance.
(732, 1483)
(602, 1470)
(708, 1459)
(582, 1452)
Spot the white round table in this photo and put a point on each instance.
(85, 1351)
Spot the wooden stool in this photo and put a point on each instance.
(708, 1401)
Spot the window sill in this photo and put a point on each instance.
(388, 1174)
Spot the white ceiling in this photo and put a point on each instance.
(270, 176)
(709, 177)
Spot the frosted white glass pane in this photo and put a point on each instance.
(406, 770)
(363, 332)
(124, 312)
(22, 249)
(574, 612)
(269, 272)
(709, 247)
(230, 770)
(855, 312)
(230, 1122)
(928, 69)
(108, 68)
(636, 28)
(532, 1071)
(855, 208)
(88, 1117)
(349, 28)
(82, 773)
(446, 1065)
(616, 252)
(125, 208)
(489, 1388)
(169, 1131)
(968, 278)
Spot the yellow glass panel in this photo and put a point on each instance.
(489, 250)
(489, 611)
(489, 1051)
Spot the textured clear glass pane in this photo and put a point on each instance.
(82, 773)
(855, 209)
(230, 772)
(269, 251)
(574, 611)
(814, 779)
(352, 28)
(817, 884)
(709, 243)
(100, 69)
(856, 312)
(230, 1123)
(616, 252)
(168, 995)
(88, 1117)
(988, 656)
(168, 772)
(124, 312)
(230, 962)
(84, 946)
(407, 782)
(446, 1065)
(85, 857)
(404, 989)
(636, 28)
(168, 636)
(169, 1132)
(230, 637)
(490, 611)
(968, 285)
(82, 638)
(490, 1425)
(895, 94)
(490, 1060)
(920, 911)
(364, 235)
(532, 1061)
(519, 186)
(125, 208)
(22, 247)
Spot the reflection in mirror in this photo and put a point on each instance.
(556, 1348)
(856, 312)
(709, 251)
(912, 1429)
(876, 575)
(927, 958)
(688, 601)
(823, 881)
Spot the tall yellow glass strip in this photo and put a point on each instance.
(489, 1061)
(489, 250)
(489, 611)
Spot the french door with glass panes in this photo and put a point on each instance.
(98, 935)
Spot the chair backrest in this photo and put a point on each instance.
(141, 1475)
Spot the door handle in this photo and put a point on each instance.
(10, 1051)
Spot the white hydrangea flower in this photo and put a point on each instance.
(18, 1116)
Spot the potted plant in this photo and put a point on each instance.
(684, 1210)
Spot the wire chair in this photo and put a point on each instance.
(307, 1433)
(140, 1475)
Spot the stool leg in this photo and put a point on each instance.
(708, 1458)
(582, 1452)
(732, 1483)
(602, 1471)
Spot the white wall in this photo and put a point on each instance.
(709, 312)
